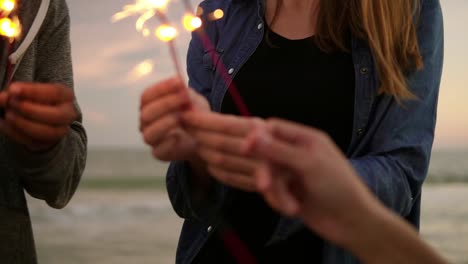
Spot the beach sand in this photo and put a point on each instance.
(140, 227)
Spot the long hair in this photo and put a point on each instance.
(388, 26)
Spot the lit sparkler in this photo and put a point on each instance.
(10, 30)
(10, 26)
(147, 9)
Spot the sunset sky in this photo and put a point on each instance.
(104, 55)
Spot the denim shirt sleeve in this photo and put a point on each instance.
(397, 156)
(179, 173)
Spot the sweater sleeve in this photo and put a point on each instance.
(53, 175)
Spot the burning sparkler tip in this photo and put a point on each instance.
(191, 22)
(166, 33)
(10, 28)
(7, 5)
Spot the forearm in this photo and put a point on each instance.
(383, 237)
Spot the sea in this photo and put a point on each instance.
(445, 165)
(121, 212)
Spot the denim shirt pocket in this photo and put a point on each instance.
(211, 58)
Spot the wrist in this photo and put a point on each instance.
(364, 239)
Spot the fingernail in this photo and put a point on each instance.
(262, 183)
(15, 89)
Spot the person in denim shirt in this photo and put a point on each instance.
(391, 136)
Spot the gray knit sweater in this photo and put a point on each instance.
(52, 176)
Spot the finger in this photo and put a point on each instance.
(258, 132)
(166, 104)
(279, 152)
(236, 180)
(155, 132)
(220, 142)
(263, 177)
(163, 150)
(42, 92)
(62, 114)
(19, 137)
(3, 99)
(279, 195)
(34, 130)
(289, 131)
(221, 123)
(163, 88)
(227, 161)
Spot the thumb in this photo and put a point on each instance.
(290, 132)
(274, 150)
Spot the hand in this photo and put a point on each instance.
(320, 186)
(37, 115)
(220, 139)
(161, 107)
(322, 189)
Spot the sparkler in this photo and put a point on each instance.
(10, 29)
(147, 9)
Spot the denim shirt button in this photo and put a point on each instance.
(364, 70)
(260, 26)
(209, 229)
(231, 71)
(360, 131)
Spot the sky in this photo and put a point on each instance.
(105, 54)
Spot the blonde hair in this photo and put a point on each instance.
(388, 26)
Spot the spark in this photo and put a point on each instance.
(216, 15)
(166, 33)
(191, 22)
(7, 5)
(10, 28)
(141, 70)
(146, 9)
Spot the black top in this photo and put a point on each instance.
(294, 80)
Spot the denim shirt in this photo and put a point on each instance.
(391, 143)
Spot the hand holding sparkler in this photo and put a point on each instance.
(160, 110)
(38, 115)
(162, 128)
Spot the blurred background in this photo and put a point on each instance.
(121, 213)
